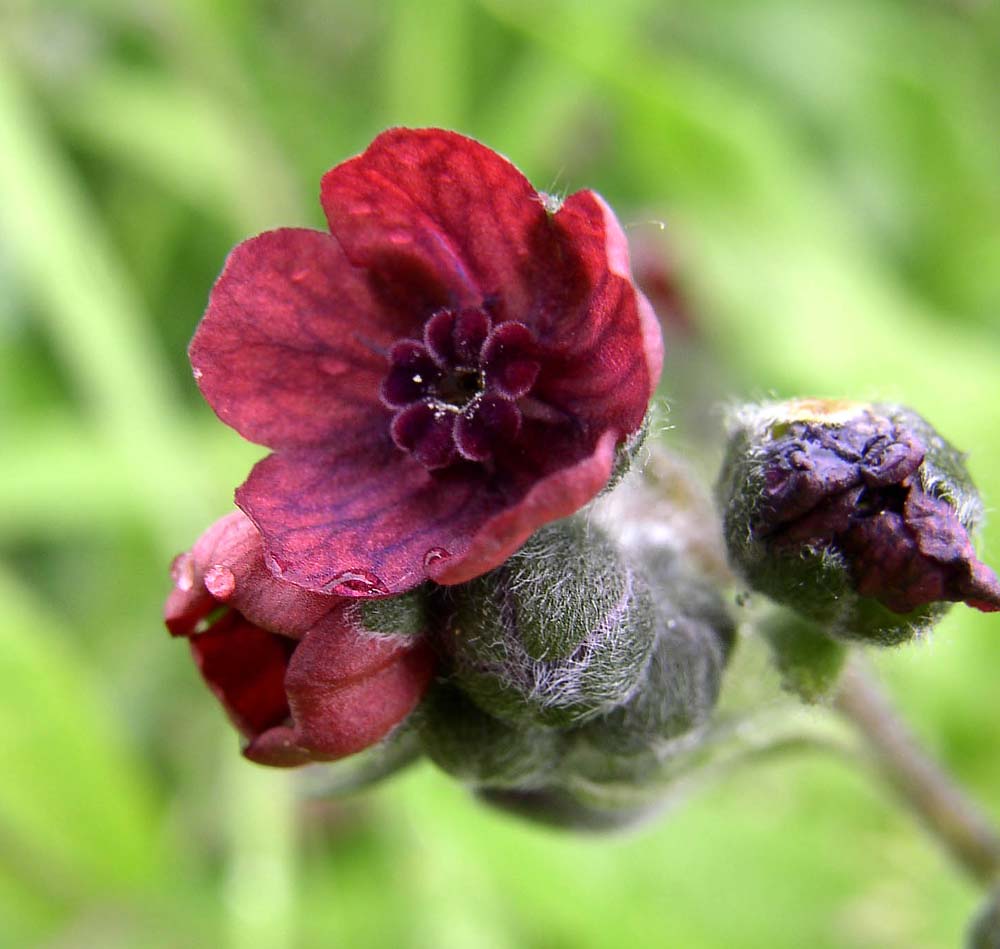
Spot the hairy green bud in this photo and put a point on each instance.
(558, 634)
(857, 516)
(461, 739)
(679, 687)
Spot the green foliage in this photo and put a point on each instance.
(830, 182)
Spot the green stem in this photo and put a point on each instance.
(921, 783)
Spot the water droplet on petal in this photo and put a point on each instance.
(182, 571)
(434, 555)
(197, 373)
(220, 582)
(355, 583)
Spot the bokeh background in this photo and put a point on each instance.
(819, 181)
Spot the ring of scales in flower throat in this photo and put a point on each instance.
(454, 393)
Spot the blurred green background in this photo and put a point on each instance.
(829, 176)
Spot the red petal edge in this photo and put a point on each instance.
(558, 495)
(289, 351)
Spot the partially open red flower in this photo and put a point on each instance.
(449, 368)
(299, 673)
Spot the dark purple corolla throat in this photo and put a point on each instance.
(454, 394)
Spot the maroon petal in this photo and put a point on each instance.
(411, 376)
(510, 357)
(494, 420)
(427, 432)
(359, 523)
(603, 360)
(556, 495)
(346, 691)
(444, 202)
(245, 667)
(226, 568)
(290, 351)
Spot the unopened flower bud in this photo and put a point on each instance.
(858, 516)
(560, 633)
(462, 739)
(680, 684)
(303, 676)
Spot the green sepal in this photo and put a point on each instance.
(809, 661)
(626, 454)
(407, 614)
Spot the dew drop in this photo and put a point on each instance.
(197, 373)
(434, 555)
(182, 571)
(355, 583)
(220, 582)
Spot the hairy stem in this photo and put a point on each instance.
(943, 807)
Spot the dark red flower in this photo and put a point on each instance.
(299, 673)
(449, 368)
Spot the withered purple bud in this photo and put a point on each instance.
(856, 515)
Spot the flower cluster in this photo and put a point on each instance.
(457, 362)
(445, 377)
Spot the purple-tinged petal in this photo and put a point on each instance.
(291, 349)
(411, 376)
(376, 523)
(446, 202)
(427, 432)
(556, 495)
(359, 523)
(245, 667)
(494, 420)
(510, 358)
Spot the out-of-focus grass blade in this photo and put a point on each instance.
(424, 68)
(33, 478)
(181, 137)
(92, 313)
(770, 246)
(74, 803)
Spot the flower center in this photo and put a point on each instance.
(454, 393)
(460, 387)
